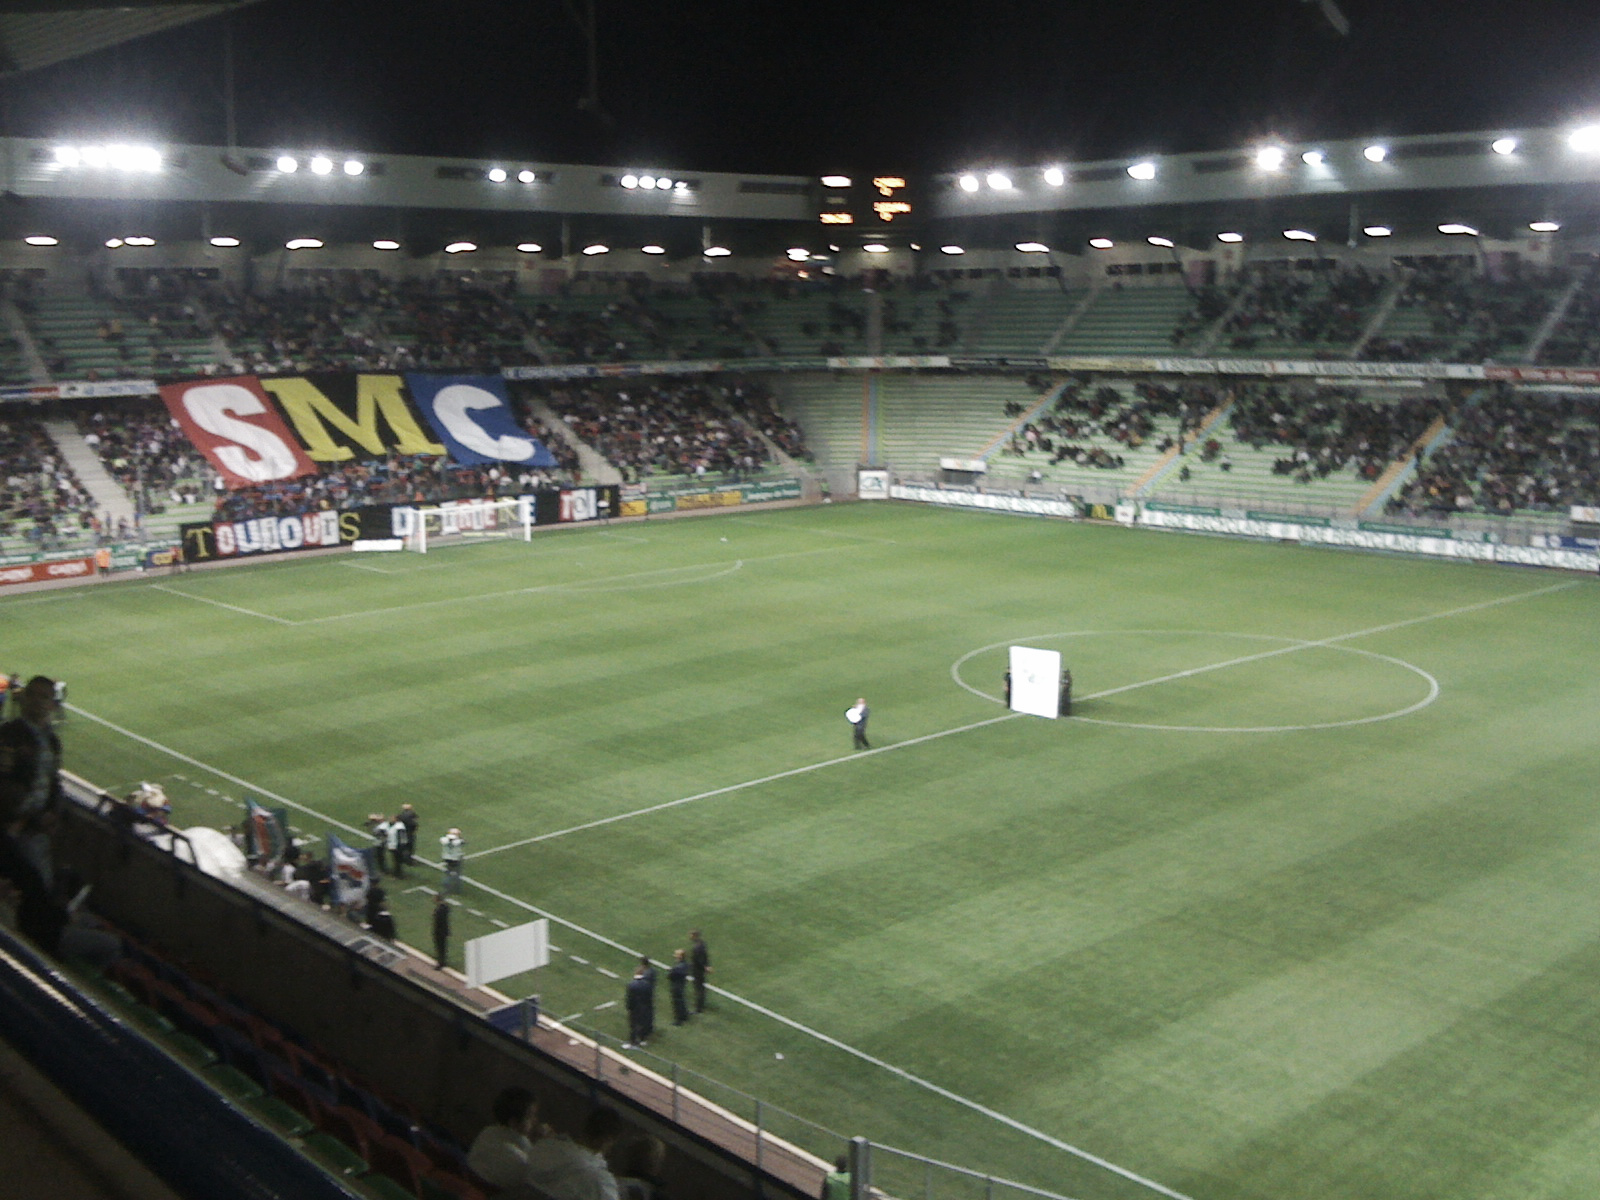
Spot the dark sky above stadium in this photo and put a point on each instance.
(781, 87)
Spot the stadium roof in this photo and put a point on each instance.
(41, 33)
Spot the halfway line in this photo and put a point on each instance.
(249, 612)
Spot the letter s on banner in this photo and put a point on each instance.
(231, 422)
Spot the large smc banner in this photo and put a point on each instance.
(255, 430)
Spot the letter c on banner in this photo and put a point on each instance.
(453, 405)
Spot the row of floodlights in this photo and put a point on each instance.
(310, 243)
(1231, 237)
(1267, 158)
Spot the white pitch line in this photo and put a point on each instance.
(515, 902)
(608, 974)
(749, 783)
(249, 612)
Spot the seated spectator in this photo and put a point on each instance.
(499, 1154)
(575, 1169)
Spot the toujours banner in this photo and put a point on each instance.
(206, 541)
(255, 430)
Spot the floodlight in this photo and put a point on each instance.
(321, 164)
(113, 243)
(597, 248)
(1586, 139)
(629, 181)
(1032, 248)
(798, 254)
(1505, 145)
(1313, 158)
(647, 181)
(386, 244)
(1375, 153)
(1544, 226)
(1100, 243)
(41, 239)
(832, 249)
(461, 247)
(529, 247)
(287, 164)
(1055, 176)
(663, 184)
(225, 243)
(717, 252)
(354, 167)
(1164, 243)
(681, 185)
(1270, 158)
(969, 183)
(1299, 235)
(138, 240)
(497, 175)
(303, 244)
(998, 181)
(652, 249)
(952, 249)
(1378, 231)
(836, 181)
(68, 156)
(526, 177)
(1142, 170)
(1230, 237)
(1457, 227)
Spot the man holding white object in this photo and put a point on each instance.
(857, 715)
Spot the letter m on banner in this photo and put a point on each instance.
(233, 424)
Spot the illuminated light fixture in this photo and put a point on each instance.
(225, 243)
(1585, 140)
(1378, 231)
(1032, 248)
(113, 243)
(681, 185)
(1544, 226)
(1270, 158)
(41, 239)
(386, 244)
(529, 247)
(137, 240)
(916, 245)
(968, 183)
(597, 248)
(68, 156)
(321, 164)
(303, 244)
(952, 249)
(497, 175)
(1375, 153)
(288, 164)
(461, 247)
(717, 252)
(1299, 235)
(354, 167)
(526, 177)
(1164, 243)
(1101, 243)
(1055, 176)
(832, 249)
(629, 181)
(1505, 145)
(1142, 170)
(647, 182)
(797, 254)
(1230, 237)
(118, 157)
(652, 249)
(663, 184)
(998, 181)
(836, 181)
(1313, 158)
(1457, 227)
(875, 248)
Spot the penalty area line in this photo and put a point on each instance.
(249, 612)
(739, 787)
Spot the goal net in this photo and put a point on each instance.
(469, 520)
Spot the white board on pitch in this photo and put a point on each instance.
(1036, 681)
(509, 952)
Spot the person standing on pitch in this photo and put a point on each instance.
(441, 928)
(857, 715)
(699, 968)
(408, 820)
(640, 999)
(452, 850)
(678, 985)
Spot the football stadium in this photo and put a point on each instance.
(1077, 678)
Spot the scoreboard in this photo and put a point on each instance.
(871, 205)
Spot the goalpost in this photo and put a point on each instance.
(474, 520)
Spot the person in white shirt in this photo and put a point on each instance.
(499, 1154)
(576, 1169)
(452, 849)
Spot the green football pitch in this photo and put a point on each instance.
(1304, 900)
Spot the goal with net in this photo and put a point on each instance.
(469, 520)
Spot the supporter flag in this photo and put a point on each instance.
(266, 833)
(350, 870)
(472, 416)
(235, 426)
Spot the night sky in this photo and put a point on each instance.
(789, 88)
